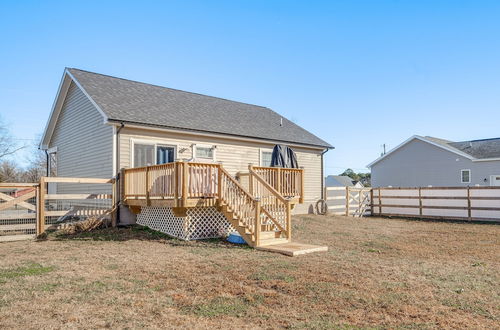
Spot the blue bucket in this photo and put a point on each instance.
(236, 238)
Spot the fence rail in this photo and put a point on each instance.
(453, 203)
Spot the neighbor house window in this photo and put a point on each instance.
(266, 156)
(465, 176)
(147, 154)
(204, 152)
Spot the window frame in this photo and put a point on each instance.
(153, 143)
(261, 151)
(210, 146)
(462, 175)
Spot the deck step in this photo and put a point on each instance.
(272, 241)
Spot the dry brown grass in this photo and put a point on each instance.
(382, 273)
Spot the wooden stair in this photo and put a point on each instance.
(266, 237)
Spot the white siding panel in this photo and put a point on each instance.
(84, 143)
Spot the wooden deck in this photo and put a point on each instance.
(262, 206)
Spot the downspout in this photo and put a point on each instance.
(323, 174)
(117, 174)
(46, 163)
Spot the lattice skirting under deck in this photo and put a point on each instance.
(199, 222)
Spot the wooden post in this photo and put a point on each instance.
(371, 201)
(41, 211)
(258, 226)
(219, 183)
(420, 200)
(278, 182)
(176, 184)
(379, 202)
(250, 179)
(288, 221)
(347, 197)
(185, 179)
(148, 202)
(469, 208)
(301, 198)
(114, 204)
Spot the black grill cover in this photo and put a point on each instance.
(284, 156)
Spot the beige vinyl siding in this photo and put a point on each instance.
(84, 143)
(234, 155)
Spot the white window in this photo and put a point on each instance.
(145, 153)
(204, 152)
(465, 176)
(266, 157)
(495, 180)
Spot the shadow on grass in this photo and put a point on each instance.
(141, 233)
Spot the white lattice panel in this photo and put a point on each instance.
(199, 222)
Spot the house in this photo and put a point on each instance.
(342, 181)
(100, 124)
(428, 161)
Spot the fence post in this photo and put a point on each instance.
(301, 198)
(41, 209)
(379, 201)
(347, 197)
(278, 181)
(469, 208)
(420, 201)
(258, 226)
(371, 201)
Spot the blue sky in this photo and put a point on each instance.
(356, 73)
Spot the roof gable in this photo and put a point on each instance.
(123, 100)
(433, 141)
(62, 91)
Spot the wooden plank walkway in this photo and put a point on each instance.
(293, 249)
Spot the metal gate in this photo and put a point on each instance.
(18, 211)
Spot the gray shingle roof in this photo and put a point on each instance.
(136, 102)
(479, 149)
(341, 180)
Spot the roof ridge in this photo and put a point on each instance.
(175, 89)
(479, 140)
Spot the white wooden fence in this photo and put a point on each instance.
(348, 201)
(447, 203)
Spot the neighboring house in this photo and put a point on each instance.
(100, 124)
(428, 161)
(341, 181)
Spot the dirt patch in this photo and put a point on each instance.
(377, 273)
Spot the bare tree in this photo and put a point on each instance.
(9, 172)
(7, 143)
(37, 164)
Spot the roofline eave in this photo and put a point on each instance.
(112, 121)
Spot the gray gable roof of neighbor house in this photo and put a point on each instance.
(478, 149)
(129, 101)
(342, 180)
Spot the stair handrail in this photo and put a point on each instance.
(256, 208)
(278, 196)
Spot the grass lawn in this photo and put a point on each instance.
(378, 273)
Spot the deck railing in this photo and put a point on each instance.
(180, 181)
(289, 182)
